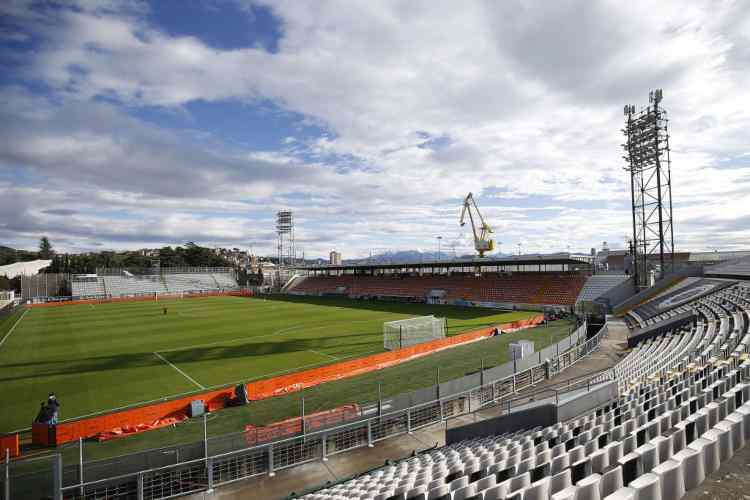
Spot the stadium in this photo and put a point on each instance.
(184, 338)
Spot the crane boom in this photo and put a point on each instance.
(482, 242)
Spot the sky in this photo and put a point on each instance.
(126, 125)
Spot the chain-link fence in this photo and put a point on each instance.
(205, 463)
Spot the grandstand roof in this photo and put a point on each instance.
(512, 260)
(23, 268)
(739, 268)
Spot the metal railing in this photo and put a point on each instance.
(209, 471)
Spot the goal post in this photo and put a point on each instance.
(412, 331)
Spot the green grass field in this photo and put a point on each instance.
(101, 357)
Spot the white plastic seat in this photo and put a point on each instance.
(709, 451)
(611, 481)
(599, 460)
(560, 481)
(468, 491)
(539, 490)
(649, 457)
(671, 478)
(589, 488)
(646, 487)
(724, 440)
(694, 471)
(622, 494)
(734, 427)
(568, 493)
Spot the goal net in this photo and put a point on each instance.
(412, 331)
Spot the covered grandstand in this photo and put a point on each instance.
(518, 281)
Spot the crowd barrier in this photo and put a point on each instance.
(142, 298)
(263, 389)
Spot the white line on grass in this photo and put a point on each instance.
(13, 328)
(181, 372)
(322, 354)
(209, 388)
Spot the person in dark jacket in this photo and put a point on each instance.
(54, 405)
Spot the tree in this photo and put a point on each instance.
(45, 248)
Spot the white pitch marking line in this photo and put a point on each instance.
(13, 328)
(181, 372)
(323, 354)
(209, 388)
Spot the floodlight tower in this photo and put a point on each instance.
(647, 156)
(285, 233)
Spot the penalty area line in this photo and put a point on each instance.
(13, 328)
(191, 379)
(323, 354)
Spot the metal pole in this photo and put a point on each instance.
(80, 462)
(481, 373)
(205, 435)
(380, 399)
(369, 434)
(57, 482)
(7, 474)
(302, 413)
(271, 472)
(140, 486)
(437, 381)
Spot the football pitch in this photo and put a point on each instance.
(101, 357)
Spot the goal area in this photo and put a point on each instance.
(412, 331)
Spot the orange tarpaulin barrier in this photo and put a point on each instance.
(129, 430)
(10, 442)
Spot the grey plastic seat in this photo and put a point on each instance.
(560, 481)
(615, 452)
(709, 451)
(589, 488)
(568, 493)
(734, 427)
(538, 490)
(743, 417)
(417, 493)
(599, 460)
(459, 483)
(559, 463)
(671, 478)
(649, 456)
(496, 492)
(611, 481)
(486, 483)
(519, 482)
(466, 492)
(440, 492)
(724, 440)
(663, 447)
(646, 487)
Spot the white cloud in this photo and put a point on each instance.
(526, 98)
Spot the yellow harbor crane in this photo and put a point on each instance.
(482, 241)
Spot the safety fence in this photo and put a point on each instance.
(215, 461)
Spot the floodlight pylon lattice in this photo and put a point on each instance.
(285, 233)
(412, 331)
(647, 155)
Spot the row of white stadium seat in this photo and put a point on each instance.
(164, 283)
(683, 409)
